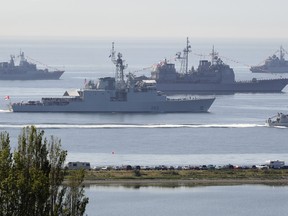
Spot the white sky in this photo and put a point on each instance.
(145, 18)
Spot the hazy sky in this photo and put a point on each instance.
(145, 18)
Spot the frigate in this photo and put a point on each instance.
(273, 64)
(211, 76)
(26, 71)
(116, 94)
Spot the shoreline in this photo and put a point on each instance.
(185, 182)
(186, 177)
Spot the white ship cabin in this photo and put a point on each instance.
(78, 165)
(72, 93)
(146, 85)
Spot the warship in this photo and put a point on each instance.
(210, 77)
(273, 64)
(26, 71)
(116, 94)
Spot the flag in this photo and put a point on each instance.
(7, 97)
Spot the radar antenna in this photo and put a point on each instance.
(120, 67)
(22, 58)
(282, 54)
(214, 56)
(12, 57)
(184, 58)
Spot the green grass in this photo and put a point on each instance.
(188, 174)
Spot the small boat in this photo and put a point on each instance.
(278, 120)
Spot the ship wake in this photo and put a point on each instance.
(125, 126)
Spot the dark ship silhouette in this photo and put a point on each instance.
(26, 71)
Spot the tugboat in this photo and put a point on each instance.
(114, 94)
(278, 120)
(211, 76)
(26, 71)
(273, 64)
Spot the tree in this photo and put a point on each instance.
(75, 199)
(31, 179)
(5, 175)
(57, 159)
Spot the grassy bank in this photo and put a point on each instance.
(186, 177)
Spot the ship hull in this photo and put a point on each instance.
(32, 75)
(269, 70)
(275, 85)
(168, 106)
(277, 124)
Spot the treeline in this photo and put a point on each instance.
(31, 178)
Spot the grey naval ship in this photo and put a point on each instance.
(26, 71)
(273, 64)
(211, 76)
(114, 94)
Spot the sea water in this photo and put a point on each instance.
(232, 132)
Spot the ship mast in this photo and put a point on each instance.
(22, 58)
(120, 67)
(281, 53)
(184, 58)
(214, 56)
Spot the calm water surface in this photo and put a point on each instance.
(242, 200)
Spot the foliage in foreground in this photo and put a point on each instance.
(31, 178)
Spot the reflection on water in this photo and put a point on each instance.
(257, 200)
